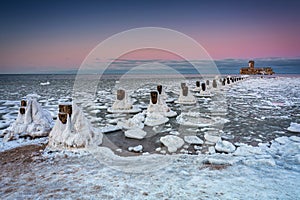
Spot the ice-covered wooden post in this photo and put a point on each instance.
(224, 82)
(203, 86)
(153, 95)
(182, 85)
(185, 91)
(197, 83)
(120, 94)
(228, 81)
(23, 106)
(214, 84)
(159, 88)
(207, 82)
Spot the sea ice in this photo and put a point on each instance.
(172, 142)
(192, 139)
(136, 122)
(294, 127)
(135, 133)
(225, 146)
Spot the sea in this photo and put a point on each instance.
(258, 109)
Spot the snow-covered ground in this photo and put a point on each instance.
(260, 117)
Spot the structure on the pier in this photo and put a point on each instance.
(251, 70)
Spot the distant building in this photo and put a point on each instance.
(251, 70)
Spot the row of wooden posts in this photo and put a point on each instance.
(66, 109)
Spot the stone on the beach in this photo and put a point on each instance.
(294, 127)
(211, 138)
(135, 134)
(224, 146)
(172, 142)
(192, 139)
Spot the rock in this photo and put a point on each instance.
(212, 138)
(294, 127)
(192, 139)
(225, 146)
(135, 133)
(172, 142)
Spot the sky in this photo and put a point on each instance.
(55, 35)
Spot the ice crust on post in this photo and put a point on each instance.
(77, 132)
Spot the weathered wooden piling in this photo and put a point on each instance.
(182, 84)
(185, 91)
(22, 110)
(203, 86)
(214, 84)
(159, 88)
(63, 117)
(153, 95)
(120, 94)
(23, 103)
(197, 83)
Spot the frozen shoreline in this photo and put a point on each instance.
(260, 111)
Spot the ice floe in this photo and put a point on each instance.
(294, 127)
(172, 142)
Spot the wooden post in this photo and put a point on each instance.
(63, 117)
(183, 84)
(153, 95)
(197, 83)
(185, 91)
(207, 82)
(203, 86)
(22, 110)
(23, 103)
(65, 108)
(120, 94)
(214, 84)
(159, 88)
(228, 81)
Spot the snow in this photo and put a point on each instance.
(172, 142)
(294, 127)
